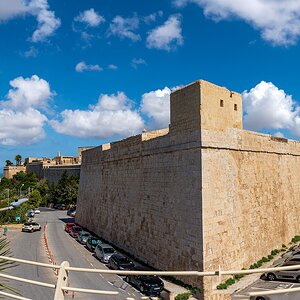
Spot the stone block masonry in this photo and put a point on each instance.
(202, 194)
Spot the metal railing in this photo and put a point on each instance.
(62, 287)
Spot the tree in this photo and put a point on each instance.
(35, 199)
(8, 162)
(65, 190)
(18, 159)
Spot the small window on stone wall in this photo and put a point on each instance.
(235, 106)
(222, 103)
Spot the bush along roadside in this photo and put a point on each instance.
(230, 281)
(193, 291)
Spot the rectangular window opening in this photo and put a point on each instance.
(222, 103)
(235, 106)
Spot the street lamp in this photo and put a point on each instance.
(8, 197)
(21, 189)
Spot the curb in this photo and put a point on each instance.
(48, 251)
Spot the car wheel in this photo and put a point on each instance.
(271, 277)
(31, 230)
(260, 298)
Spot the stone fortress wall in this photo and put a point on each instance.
(203, 194)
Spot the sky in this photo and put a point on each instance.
(84, 73)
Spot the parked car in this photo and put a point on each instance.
(69, 226)
(31, 227)
(69, 211)
(73, 214)
(37, 211)
(119, 261)
(62, 207)
(92, 242)
(103, 252)
(59, 206)
(150, 285)
(293, 275)
(82, 237)
(75, 230)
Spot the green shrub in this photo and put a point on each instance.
(284, 246)
(274, 252)
(183, 296)
(270, 257)
(229, 281)
(222, 286)
(264, 259)
(296, 239)
(195, 290)
(238, 277)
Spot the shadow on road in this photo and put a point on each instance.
(67, 220)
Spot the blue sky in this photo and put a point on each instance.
(80, 73)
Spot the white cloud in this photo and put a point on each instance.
(156, 104)
(20, 120)
(82, 66)
(137, 62)
(10, 9)
(266, 106)
(31, 52)
(112, 67)
(27, 93)
(152, 17)
(47, 22)
(90, 17)
(166, 36)
(21, 127)
(278, 21)
(111, 116)
(125, 27)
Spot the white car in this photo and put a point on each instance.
(31, 227)
(37, 211)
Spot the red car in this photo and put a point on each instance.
(69, 226)
(74, 231)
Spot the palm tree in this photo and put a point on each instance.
(18, 159)
(8, 162)
(6, 264)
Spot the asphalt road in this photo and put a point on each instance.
(64, 248)
(264, 285)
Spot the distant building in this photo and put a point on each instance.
(10, 171)
(52, 168)
(49, 168)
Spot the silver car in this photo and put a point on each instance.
(103, 252)
(293, 275)
(31, 227)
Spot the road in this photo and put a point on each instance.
(64, 247)
(264, 285)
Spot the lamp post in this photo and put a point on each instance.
(21, 188)
(7, 197)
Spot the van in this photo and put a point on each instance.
(103, 252)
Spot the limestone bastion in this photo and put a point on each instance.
(201, 194)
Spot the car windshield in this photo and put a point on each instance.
(124, 260)
(28, 224)
(85, 234)
(109, 250)
(95, 241)
(150, 279)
